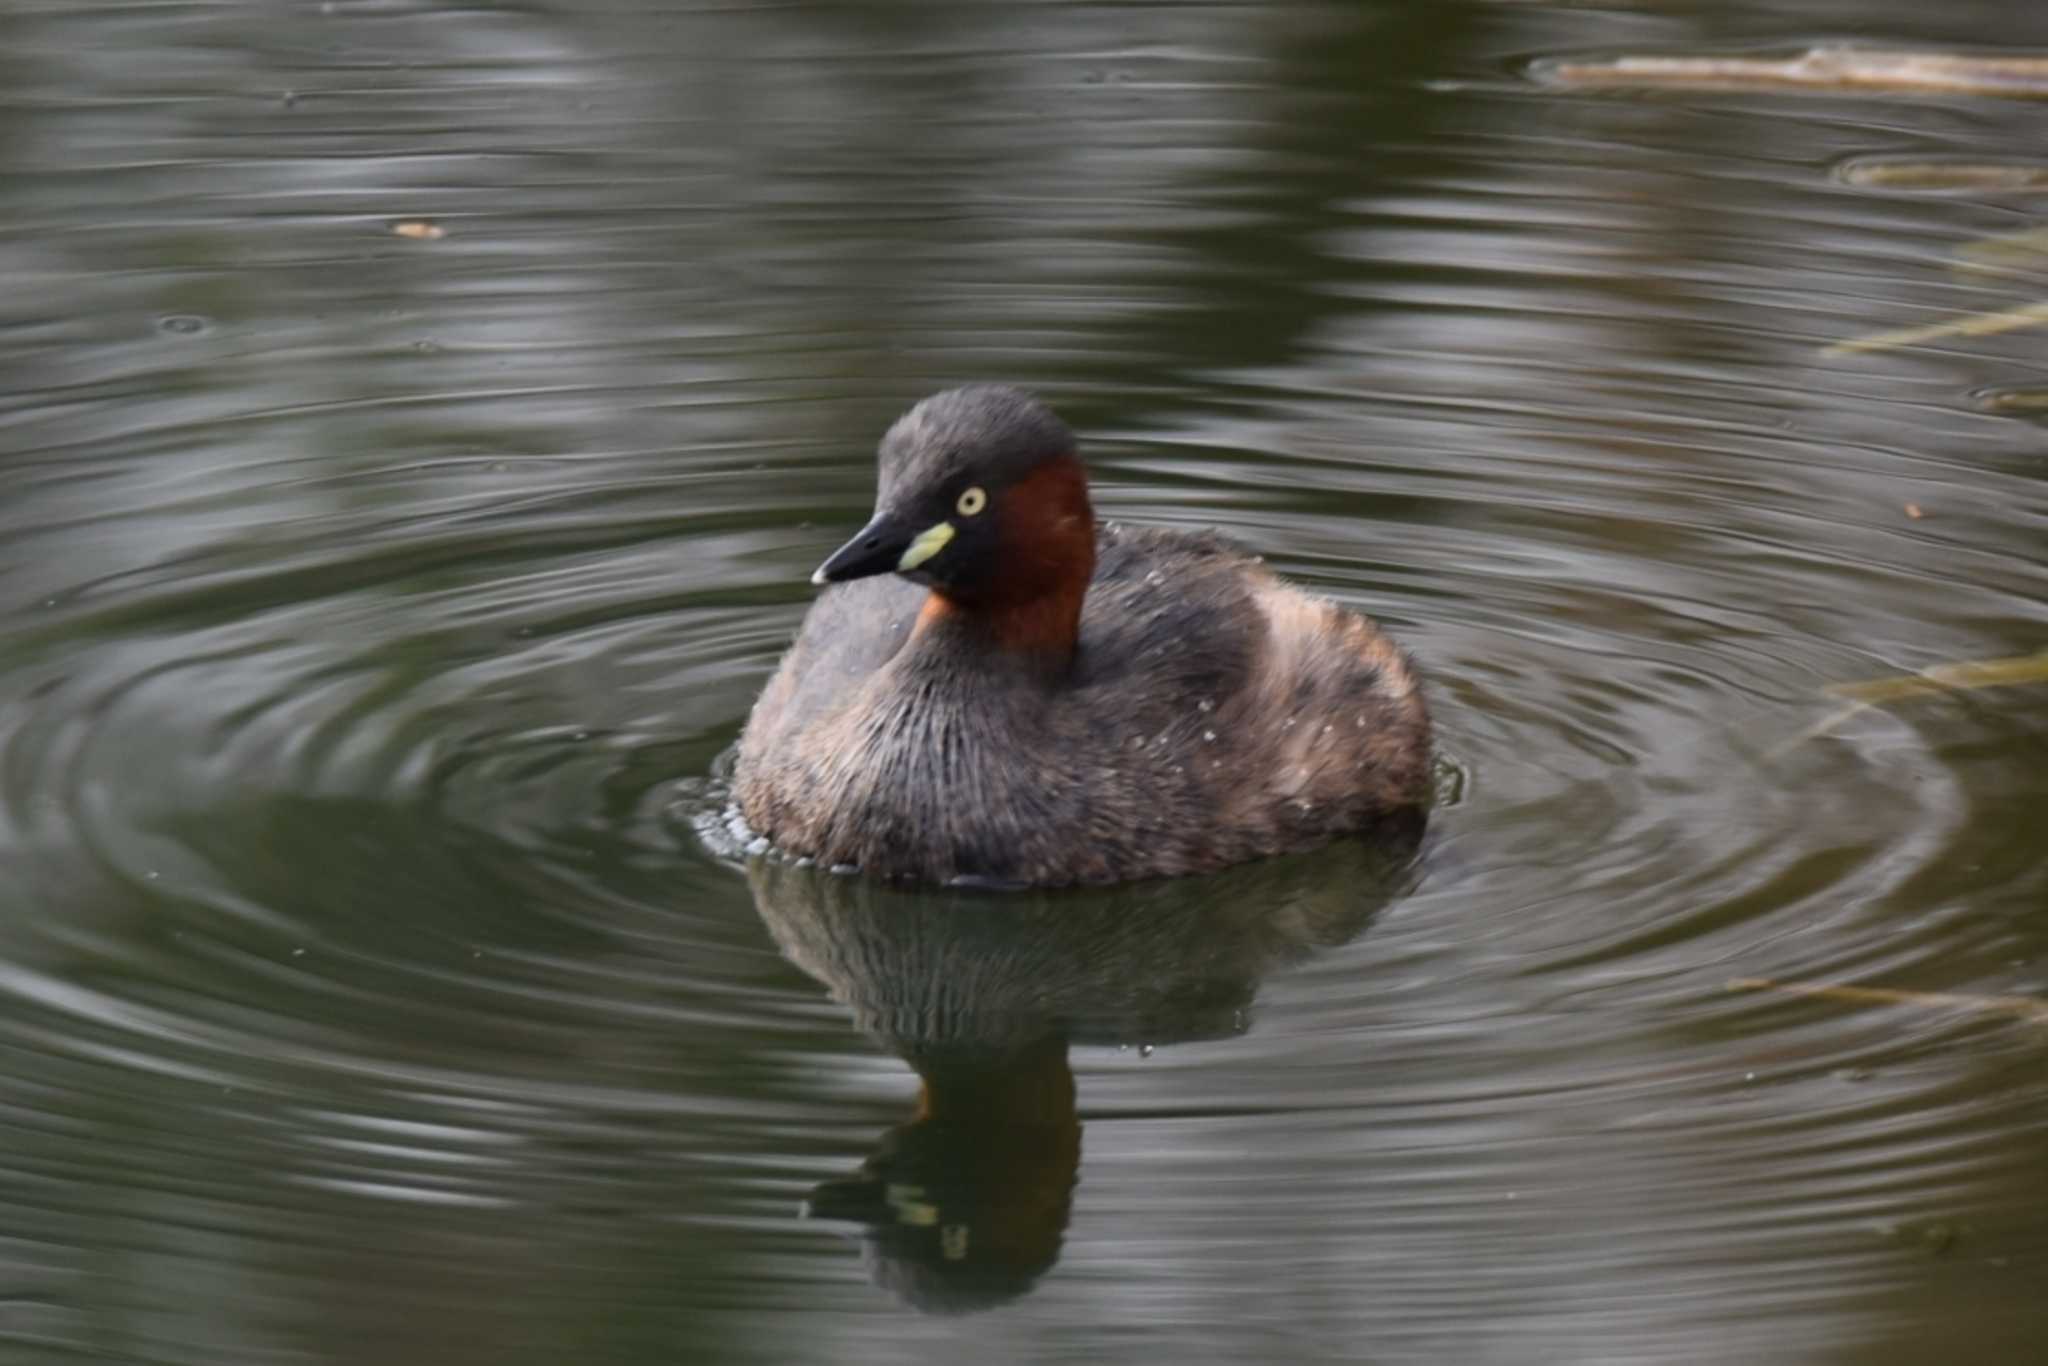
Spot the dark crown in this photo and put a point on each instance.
(989, 433)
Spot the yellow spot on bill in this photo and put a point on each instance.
(910, 1206)
(929, 542)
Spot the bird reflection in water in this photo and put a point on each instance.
(964, 1205)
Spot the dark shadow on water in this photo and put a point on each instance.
(965, 1204)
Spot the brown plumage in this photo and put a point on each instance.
(1041, 700)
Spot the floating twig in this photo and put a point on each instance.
(1822, 70)
(1967, 676)
(2015, 400)
(1963, 677)
(1945, 177)
(2008, 253)
(2029, 1008)
(1969, 325)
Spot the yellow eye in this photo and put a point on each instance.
(972, 501)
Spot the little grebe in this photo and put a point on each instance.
(998, 690)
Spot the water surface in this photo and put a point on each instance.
(375, 607)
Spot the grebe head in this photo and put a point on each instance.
(981, 498)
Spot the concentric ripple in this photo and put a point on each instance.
(375, 607)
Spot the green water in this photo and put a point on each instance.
(375, 611)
